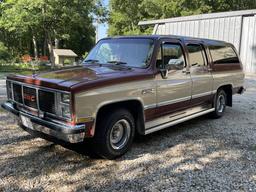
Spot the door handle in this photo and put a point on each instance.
(147, 91)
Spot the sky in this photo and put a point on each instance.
(103, 27)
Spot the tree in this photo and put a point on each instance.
(125, 14)
(50, 23)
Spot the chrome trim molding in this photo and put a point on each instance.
(178, 100)
(202, 94)
(173, 101)
(166, 125)
(149, 106)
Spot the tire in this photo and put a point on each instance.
(114, 134)
(220, 101)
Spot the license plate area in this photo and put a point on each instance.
(26, 122)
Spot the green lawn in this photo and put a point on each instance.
(4, 74)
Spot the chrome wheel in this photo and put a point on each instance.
(221, 103)
(120, 134)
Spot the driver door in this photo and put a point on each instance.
(173, 88)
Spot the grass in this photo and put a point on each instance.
(23, 72)
(21, 68)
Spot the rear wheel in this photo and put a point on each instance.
(114, 134)
(219, 104)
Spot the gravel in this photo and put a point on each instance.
(199, 155)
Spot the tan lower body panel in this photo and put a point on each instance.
(176, 118)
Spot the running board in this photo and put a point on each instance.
(175, 122)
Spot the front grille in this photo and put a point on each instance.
(9, 89)
(17, 95)
(28, 98)
(47, 101)
(29, 95)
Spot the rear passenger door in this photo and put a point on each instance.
(202, 80)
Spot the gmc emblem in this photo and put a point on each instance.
(31, 98)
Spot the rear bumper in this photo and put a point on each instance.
(53, 129)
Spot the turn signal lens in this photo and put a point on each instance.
(66, 111)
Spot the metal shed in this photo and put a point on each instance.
(236, 27)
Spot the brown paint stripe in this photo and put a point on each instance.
(153, 113)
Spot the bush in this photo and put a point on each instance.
(67, 62)
(4, 54)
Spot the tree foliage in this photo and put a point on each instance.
(37, 26)
(125, 14)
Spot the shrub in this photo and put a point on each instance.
(4, 54)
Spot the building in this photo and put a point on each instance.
(64, 56)
(237, 27)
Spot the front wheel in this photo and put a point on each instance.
(114, 134)
(219, 104)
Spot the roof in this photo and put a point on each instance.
(156, 37)
(64, 52)
(200, 17)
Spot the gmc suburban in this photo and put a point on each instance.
(126, 86)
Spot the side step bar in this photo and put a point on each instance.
(175, 122)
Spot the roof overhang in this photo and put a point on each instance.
(200, 17)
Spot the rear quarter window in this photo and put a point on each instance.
(223, 55)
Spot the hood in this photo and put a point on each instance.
(76, 77)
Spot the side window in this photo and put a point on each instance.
(223, 55)
(172, 57)
(196, 55)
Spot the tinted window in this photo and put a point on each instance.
(172, 57)
(223, 55)
(196, 55)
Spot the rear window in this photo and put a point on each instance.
(223, 55)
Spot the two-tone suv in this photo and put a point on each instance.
(127, 86)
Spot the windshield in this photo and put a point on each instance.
(129, 52)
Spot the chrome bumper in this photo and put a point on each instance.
(54, 129)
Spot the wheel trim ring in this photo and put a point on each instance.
(122, 139)
(221, 103)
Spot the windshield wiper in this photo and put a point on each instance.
(90, 61)
(117, 62)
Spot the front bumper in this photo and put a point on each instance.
(49, 128)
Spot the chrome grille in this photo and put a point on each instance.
(39, 101)
(32, 97)
(17, 93)
(29, 97)
(47, 101)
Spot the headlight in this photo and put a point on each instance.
(65, 98)
(63, 105)
(65, 110)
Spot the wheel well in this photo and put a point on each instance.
(228, 91)
(135, 107)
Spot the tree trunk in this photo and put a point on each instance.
(45, 46)
(50, 47)
(56, 42)
(35, 48)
